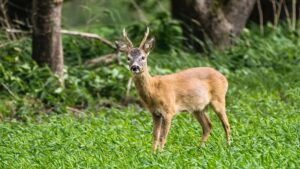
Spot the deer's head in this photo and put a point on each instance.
(137, 57)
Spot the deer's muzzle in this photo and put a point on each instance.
(135, 68)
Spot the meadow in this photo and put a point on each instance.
(37, 129)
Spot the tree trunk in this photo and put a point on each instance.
(46, 37)
(216, 20)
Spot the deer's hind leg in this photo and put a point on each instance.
(205, 123)
(219, 107)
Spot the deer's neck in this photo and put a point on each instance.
(143, 82)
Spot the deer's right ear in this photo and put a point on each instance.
(122, 46)
(149, 45)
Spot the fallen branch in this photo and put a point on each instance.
(105, 59)
(89, 36)
(74, 110)
(73, 33)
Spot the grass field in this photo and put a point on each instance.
(265, 131)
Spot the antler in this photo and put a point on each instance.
(127, 39)
(145, 38)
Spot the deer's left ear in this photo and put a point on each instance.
(149, 45)
(122, 46)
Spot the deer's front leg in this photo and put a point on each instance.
(165, 127)
(157, 121)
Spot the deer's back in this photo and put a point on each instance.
(191, 89)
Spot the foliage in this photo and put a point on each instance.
(24, 84)
(98, 13)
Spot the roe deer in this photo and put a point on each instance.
(191, 90)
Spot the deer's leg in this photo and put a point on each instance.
(165, 127)
(219, 108)
(157, 120)
(205, 123)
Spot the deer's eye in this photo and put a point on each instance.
(143, 58)
(128, 59)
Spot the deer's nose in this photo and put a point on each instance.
(135, 68)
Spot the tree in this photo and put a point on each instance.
(216, 20)
(46, 36)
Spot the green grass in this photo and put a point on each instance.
(265, 132)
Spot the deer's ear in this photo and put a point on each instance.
(149, 45)
(122, 46)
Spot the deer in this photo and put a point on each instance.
(192, 90)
